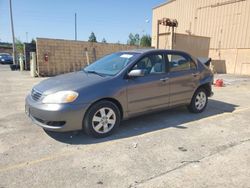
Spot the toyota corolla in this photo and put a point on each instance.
(120, 86)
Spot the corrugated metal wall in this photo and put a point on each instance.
(227, 22)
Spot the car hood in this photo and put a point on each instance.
(71, 81)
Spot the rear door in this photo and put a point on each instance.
(152, 90)
(184, 77)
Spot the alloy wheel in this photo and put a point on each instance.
(104, 120)
(200, 100)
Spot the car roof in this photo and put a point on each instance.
(150, 50)
(4, 54)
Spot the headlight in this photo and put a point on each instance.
(60, 97)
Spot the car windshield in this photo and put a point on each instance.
(4, 55)
(111, 64)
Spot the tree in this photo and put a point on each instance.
(104, 40)
(146, 41)
(19, 46)
(33, 41)
(92, 37)
(133, 39)
(137, 39)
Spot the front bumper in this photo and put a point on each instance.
(6, 62)
(56, 117)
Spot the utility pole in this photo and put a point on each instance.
(75, 26)
(13, 34)
(27, 39)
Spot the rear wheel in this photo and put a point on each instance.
(199, 101)
(102, 119)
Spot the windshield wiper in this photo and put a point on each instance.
(94, 72)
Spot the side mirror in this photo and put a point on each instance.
(136, 73)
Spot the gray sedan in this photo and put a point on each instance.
(119, 86)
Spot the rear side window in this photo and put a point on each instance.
(180, 63)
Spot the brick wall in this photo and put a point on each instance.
(4, 49)
(67, 56)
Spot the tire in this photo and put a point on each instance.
(199, 101)
(102, 119)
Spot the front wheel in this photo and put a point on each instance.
(102, 119)
(199, 101)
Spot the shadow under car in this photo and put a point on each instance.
(174, 118)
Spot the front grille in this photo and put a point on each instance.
(36, 95)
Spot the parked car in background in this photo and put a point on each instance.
(6, 58)
(120, 86)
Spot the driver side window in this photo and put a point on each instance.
(153, 64)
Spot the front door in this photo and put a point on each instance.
(152, 90)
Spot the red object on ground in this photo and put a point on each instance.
(219, 83)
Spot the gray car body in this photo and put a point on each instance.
(133, 96)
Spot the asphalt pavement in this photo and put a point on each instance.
(172, 148)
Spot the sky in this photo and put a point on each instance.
(113, 20)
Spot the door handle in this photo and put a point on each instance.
(164, 79)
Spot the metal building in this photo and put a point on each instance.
(226, 22)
